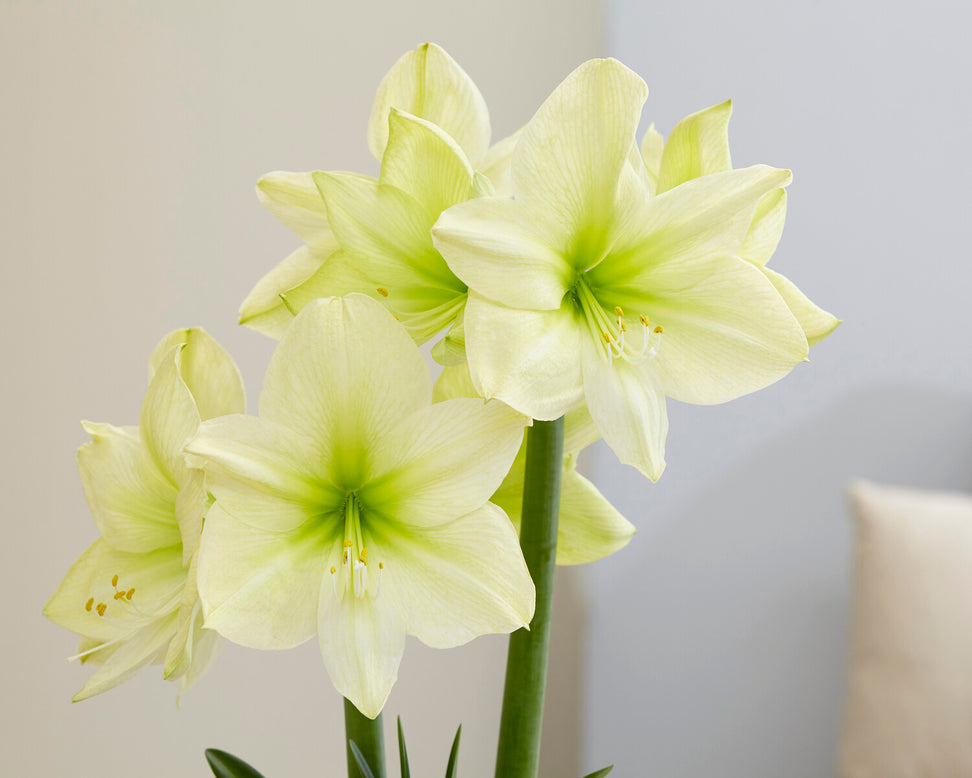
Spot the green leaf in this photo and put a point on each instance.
(454, 755)
(359, 758)
(226, 765)
(402, 752)
(601, 773)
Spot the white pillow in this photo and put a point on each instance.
(909, 706)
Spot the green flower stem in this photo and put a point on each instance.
(518, 755)
(368, 736)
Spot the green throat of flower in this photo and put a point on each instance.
(352, 575)
(609, 330)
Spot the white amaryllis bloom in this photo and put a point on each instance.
(587, 288)
(355, 509)
(132, 595)
(430, 130)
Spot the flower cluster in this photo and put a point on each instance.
(567, 271)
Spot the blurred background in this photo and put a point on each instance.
(715, 644)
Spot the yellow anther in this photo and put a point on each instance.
(644, 320)
(101, 608)
(364, 555)
(119, 595)
(333, 569)
(381, 565)
(659, 329)
(89, 604)
(618, 311)
(624, 327)
(382, 291)
(607, 338)
(114, 580)
(347, 544)
(129, 593)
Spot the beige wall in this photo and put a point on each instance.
(131, 137)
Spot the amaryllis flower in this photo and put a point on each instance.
(132, 595)
(354, 509)
(429, 128)
(585, 288)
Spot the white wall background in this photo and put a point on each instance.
(717, 646)
(131, 137)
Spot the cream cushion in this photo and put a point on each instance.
(909, 706)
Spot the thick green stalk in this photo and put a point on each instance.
(368, 736)
(518, 755)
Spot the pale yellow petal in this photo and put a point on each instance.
(429, 84)
(147, 646)
(496, 247)
(709, 215)
(293, 198)
(569, 157)
(527, 359)
(260, 588)
(207, 644)
(817, 324)
(131, 501)
(190, 508)
(169, 417)
(245, 456)
(207, 370)
(193, 650)
(727, 331)
(362, 641)
(698, 146)
(766, 228)
(263, 309)
(336, 277)
(424, 161)
(443, 462)
(459, 580)
(386, 233)
(345, 372)
(627, 403)
(652, 146)
(590, 528)
(178, 655)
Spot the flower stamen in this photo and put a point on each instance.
(122, 596)
(354, 566)
(612, 331)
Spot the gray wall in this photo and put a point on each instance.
(132, 135)
(718, 637)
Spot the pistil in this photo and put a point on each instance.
(354, 556)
